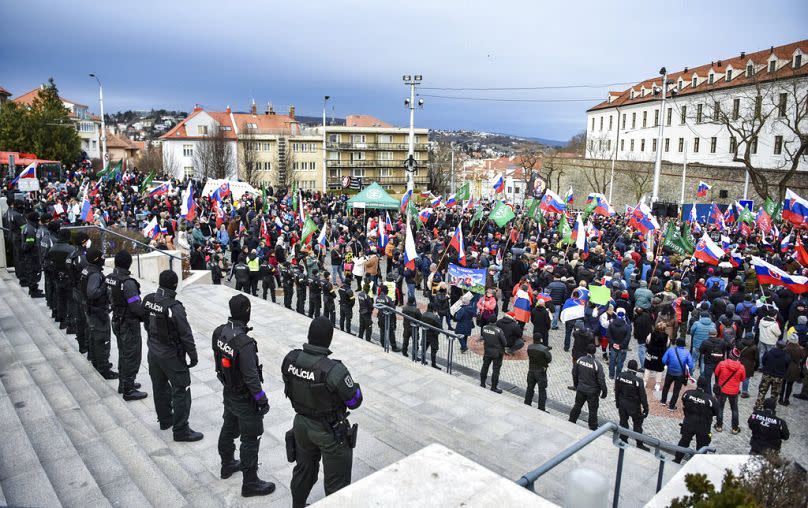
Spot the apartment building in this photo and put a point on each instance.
(712, 112)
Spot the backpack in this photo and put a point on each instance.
(746, 314)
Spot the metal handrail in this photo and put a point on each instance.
(528, 480)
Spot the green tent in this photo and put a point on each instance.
(375, 197)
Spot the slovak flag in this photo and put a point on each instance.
(702, 190)
(405, 200)
(579, 233)
(459, 245)
(642, 219)
(223, 191)
(95, 189)
(770, 274)
(410, 254)
(708, 251)
(28, 172)
(387, 224)
(187, 209)
(735, 259)
(216, 204)
(717, 217)
(278, 224)
(152, 229)
(602, 205)
(551, 203)
(382, 235)
(692, 217)
(425, 214)
(498, 185)
(451, 201)
(795, 208)
(86, 209)
(800, 253)
(435, 201)
(574, 307)
(321, 237)
(159, 190)
(569, 197)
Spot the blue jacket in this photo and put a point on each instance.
(713, 279)
(700, 331)
(673, 364)
(465, 319)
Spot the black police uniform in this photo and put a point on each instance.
(346, 305)
(320, 390)
(245, 403)
(539, 358)
(242, 274)
(631, 400)
(300, 285)
(699, 407)
(169, 339)
(45, 240)
(315, 295)
(57, 260)
(127, 313)
(15, 221)
(77, 306)
(387, 317)
(329, 309)
(495, 343)
(94, 289)
(29, 258)
(589, 380)
(768, 431)
(267, 274)
(431, 339)
(410, 331)
(365, 315)
(287, 281)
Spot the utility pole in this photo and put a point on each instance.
(412, 81)
(614, 154)
(325, 158)
(684, 175)
(745, 183)
(452, 175)
(104, 156)
(658, 162)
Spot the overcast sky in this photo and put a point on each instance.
(174, 53)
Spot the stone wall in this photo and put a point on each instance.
(629, 177)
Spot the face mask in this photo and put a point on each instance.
(89, 244)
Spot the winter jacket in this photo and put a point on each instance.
(581, 337)
(769, 331)
(465, 319)
(494, 341)
(713, 350)
(795, 352)
(730, 374)
(775, 362)
(588, 376)
(749, 357)
(619, 334)
(511, 329)
(643, 326)
(700, 331)
(643, 296)
(540, 318)
(557, 291)
(677, 366)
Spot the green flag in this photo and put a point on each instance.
(294, 195)
(264, 199)
(675, 241)
(309, 227)
(540, 218)
(746, 216)
(104, 171)
(412, 211)
(531, 204)
(463, 192)
(478, 215)
(501, 214)
(687, 237)
(146, 182)
(113, 171)
(590, 208)
(564, 230)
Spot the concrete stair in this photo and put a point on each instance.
(73, 440)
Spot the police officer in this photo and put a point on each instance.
(387, 318)
(127, 312)
(589, 380)
(768, 429)
(94, 289)
(76, 308)
(495, 343)
(329, 294)
(57, 260)
(631, 400)
(254, 266)
(242, 274)
(412, 311)
(170, 339)
(699, 407)
(430, 317)
(46, 237)
(287, 281)
(29, 255)
(365, 312)
(15, 221)
(301, 281)
(346, 305)
(315, 293)
(320, 390)
(539, 358)
(267, 273)
(245, 403)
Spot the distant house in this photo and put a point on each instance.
(4, 95)
(121, 147)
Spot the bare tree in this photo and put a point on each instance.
(213, 155)
(552, 164)
(248, 154)
(577, 144)
(529, 158)
(150, 160)
(640, 177)
(440, 168)
(599, 173)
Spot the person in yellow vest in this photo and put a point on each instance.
(255, 266)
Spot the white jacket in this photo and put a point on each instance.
(359, 266)
(769, 331)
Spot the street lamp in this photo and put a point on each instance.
(658, 162)
(412, 81)
(104, 156)
(325, 178)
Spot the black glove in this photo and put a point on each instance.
(645, 414)
(262, 406)
(194, 360)
(602, 395)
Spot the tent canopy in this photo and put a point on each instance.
(374, 196)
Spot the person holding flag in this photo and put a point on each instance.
(459, 245)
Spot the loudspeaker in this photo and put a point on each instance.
(673, 210)
(723, 194)
(659, 209)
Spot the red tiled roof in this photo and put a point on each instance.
(738, 64)
(28, 98)
(4, 92)
(365, 121)
(263, 124)
(119, 141)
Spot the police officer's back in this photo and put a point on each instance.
(411, 310)
(494, 343)
(57, 260)
(170, 340)
(699, 409)
(430, 317)
(245, 403)
(321, 391)
(539, 358)
(346, 305)
(589, 380)
(768, 429)
(94, 289)
(631, 399)
(29, 254)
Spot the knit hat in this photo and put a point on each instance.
(168, 280)
(123, 260)
(240, 308)
(94, 256)
(320, 332)
(680, 342)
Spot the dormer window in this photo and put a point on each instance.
(772, 65)
(695, 81)
(710, 78)
(797, 60)
(632, 94)
(750, 70)
(729, 74)
(681, 83)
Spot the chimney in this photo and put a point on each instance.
(252, 107)
(269, 110)
(771, 50)
(197, 107)
(743, 54)
(685, 70)
(227, 109)
(719, 63)
(292, 112)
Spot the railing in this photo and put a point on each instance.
(375, 163)
(418, 147)
(528, 480)
(101, 236)
(418, 337)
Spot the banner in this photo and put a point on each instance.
(468, 279)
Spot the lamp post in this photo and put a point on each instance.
(325, 169)
(412, 81)
(658, 161)
(104, 156)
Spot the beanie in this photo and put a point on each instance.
(632, 364)
(168, 280)
(240, 308)
(123, 260)
(64, 235)
(320, 332)
(94, 256)
(54, 226)
(680, 342)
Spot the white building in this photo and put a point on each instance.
(711, 113)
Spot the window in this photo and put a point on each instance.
(633, 120)
(773, 66)
(202, 130)
(683, 115)
(359, 172)
(266, 166)
(385, 156)
(601, 123)
(750, 70)
(753, 147)
(729, 74)
(716, 111)
(609, 144)
(667, 144)
(699, 109)
(758, 105)
(333, 138)
(736, 108)
(681, 145)
(713, 143)
(610, 122)
(781, 106)
(187, 150)
(733, 144)
(361, 138)
(333, 156)
(644, 118)
(265, 147)
(622, 145)
(797, 61)
(631, 146)
(680, 84)
(624, 121)
(593, 123)
(778, 145)
(695, 81)
(695, 145)
(252, 125)
(642, 145)
(188, 171)
(656, 117)
(358, 156)
(226, 128)
(385, 172)
(384, 138)
(710, 78)
(668, 119)
(653, 145)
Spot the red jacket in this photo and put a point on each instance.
(731, 374)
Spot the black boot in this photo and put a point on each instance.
(254, 486)
(189, 436)
(110, 374)
(132, 393)
(230, 466)
(495, 389)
